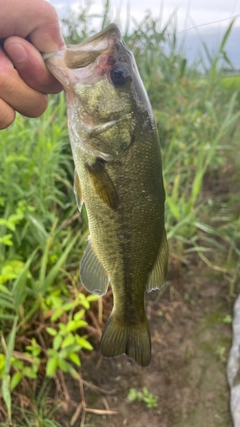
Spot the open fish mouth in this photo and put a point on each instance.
(86, 52)
(83, 54)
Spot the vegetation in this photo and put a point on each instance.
(143, 396)
(44, 311)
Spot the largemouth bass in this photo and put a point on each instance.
(118, 175)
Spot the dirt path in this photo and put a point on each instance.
(187, 374)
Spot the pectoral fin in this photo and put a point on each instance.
(78, 191)
(92, 274)
(103, 184)
(157, 275)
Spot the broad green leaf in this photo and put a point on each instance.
(79, 315)
(52, 365)
(75, 359)
(69, 306)
(6, 240)
(84, 343)
(29, 372)
(58, 313)
(72, 325)
(63, 365)
(16, 378)
(57, 341)
(68, 341)
(51, 331)
(85, 303)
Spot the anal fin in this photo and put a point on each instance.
(158, 273)
(92, 274)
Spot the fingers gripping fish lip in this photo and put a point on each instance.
(90, 61)
(47, 55)
(56, 64)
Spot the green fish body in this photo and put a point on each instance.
(118, 175)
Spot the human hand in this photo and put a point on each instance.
(24, 78)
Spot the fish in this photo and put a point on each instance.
(118, 175)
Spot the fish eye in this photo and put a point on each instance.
(120, 75)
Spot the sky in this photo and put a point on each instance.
(195, 20)
(190, 13)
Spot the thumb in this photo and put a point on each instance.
(30, 65)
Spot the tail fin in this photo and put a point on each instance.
(132, 340)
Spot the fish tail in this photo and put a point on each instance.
(132, 340)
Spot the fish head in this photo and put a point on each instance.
(101, 80)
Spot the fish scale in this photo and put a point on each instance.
(118, 176)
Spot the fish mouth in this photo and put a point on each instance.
(85, 53)
(100, 41)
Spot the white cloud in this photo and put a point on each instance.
(189, 12)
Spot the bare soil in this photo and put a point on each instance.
(190, 344)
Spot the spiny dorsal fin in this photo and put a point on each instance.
(103, 184)
(157, 275)
(92, 274)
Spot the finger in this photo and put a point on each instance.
(7, 115)
(39, 20)
(30, 65)
(16, 93)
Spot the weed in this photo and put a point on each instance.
(221, 353)
(43, 413)
(227, 319)
(143, 396)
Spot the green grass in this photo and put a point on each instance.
(143, 396)
(231, 83)
(39, 251)
(42, 236)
